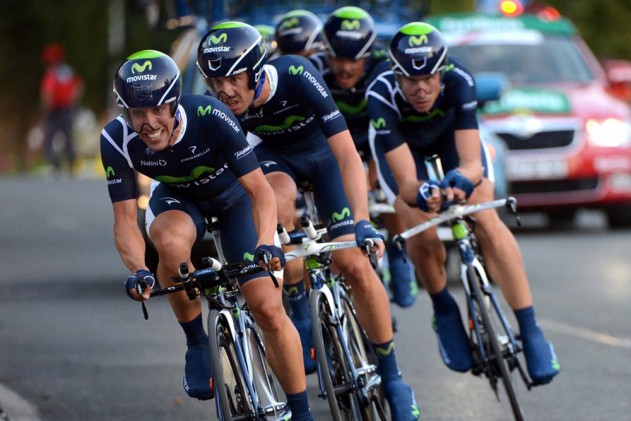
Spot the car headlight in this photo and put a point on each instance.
(610, 132)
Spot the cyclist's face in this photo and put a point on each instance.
(347, 71)
(233, 91)
(420, 91)
(153, 124)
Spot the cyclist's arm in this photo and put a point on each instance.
(353, 175)
(403, 167)
(127, 236)
(468, 148)
(263, 205)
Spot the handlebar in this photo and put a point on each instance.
(456, 210)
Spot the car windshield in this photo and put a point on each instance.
(524, 58)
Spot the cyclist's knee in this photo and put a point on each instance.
(357, 270)
(269, 315)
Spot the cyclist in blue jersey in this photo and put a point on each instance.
(304, 136)
(202, 166)
(350, 56)
(422, 103)
(298, 32)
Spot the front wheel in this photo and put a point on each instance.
(370, 392)
(489, 329)
(271, 404)
(232, 397)
(333, 368)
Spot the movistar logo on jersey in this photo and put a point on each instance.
(213, 40)
(293, 70)
(420, 118)
(201, 111)
(109, 172)
(349, 109)
(195, 173)
(248, 257)
(140, 68)
(337, 217)
(290, 121)
(380, 123)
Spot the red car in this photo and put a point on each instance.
(568, 140)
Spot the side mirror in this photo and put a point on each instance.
(618, 74)
(490, 86)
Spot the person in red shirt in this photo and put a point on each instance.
(60, 91)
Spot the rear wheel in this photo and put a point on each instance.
(231, 393)
(372, 402)
(332, 366)
(498, 366)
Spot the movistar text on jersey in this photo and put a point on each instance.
(227, 119)
(315, 83)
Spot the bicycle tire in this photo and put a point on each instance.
(493, 348)
(332, 365)
(271, 403)
(373, 406)
(232, 397)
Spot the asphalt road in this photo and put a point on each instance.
(74, 347)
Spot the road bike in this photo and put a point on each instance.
(347, 364)
(244, 385)
(493, 341)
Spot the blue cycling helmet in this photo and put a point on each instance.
(148, 78)
(417, 49)
(349, 32)
(231, 48)
(267, 32)
(298, 31)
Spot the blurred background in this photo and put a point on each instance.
(98, 35)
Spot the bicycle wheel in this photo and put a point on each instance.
(233, 399)
(498, 365)
(370, 392)
(332, 365)
(271, 403)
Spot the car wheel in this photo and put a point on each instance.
(619, 216)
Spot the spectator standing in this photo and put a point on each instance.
(60, 91)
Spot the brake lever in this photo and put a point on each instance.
(511, 205)
(266, 257)
(372, 255)
(400, 243)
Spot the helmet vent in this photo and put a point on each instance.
(214, 64)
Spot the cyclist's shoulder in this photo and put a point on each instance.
(456, 73)
(116, 130)
(381, 77)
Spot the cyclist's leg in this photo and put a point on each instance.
(281, 177)
(504, 262)
(372, 306)
(174, 226)
(402, 280)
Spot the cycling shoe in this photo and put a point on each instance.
(541, 360)
(402, 279)
(198, 372)
(453, 343)
(400, 396)
(303, 325)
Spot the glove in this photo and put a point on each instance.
(364, 231)
(455, 179)
(139, 281)
(273, 250)
(425, 192)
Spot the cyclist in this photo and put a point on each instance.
(349, 58)
(298, 32)
(421, 103)
(287, 104)
(268, 34)
(202, 166)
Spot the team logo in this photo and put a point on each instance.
(201, 111)
(416, 41)
(350, 25)
(379, 123)
(213, 40)
(337, 217)
(293, 70)
(140, 68)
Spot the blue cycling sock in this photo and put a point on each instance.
(540, 357)
(387, 360)
(299, 405)
(443, 302)
(298, 300)
(194, 330)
